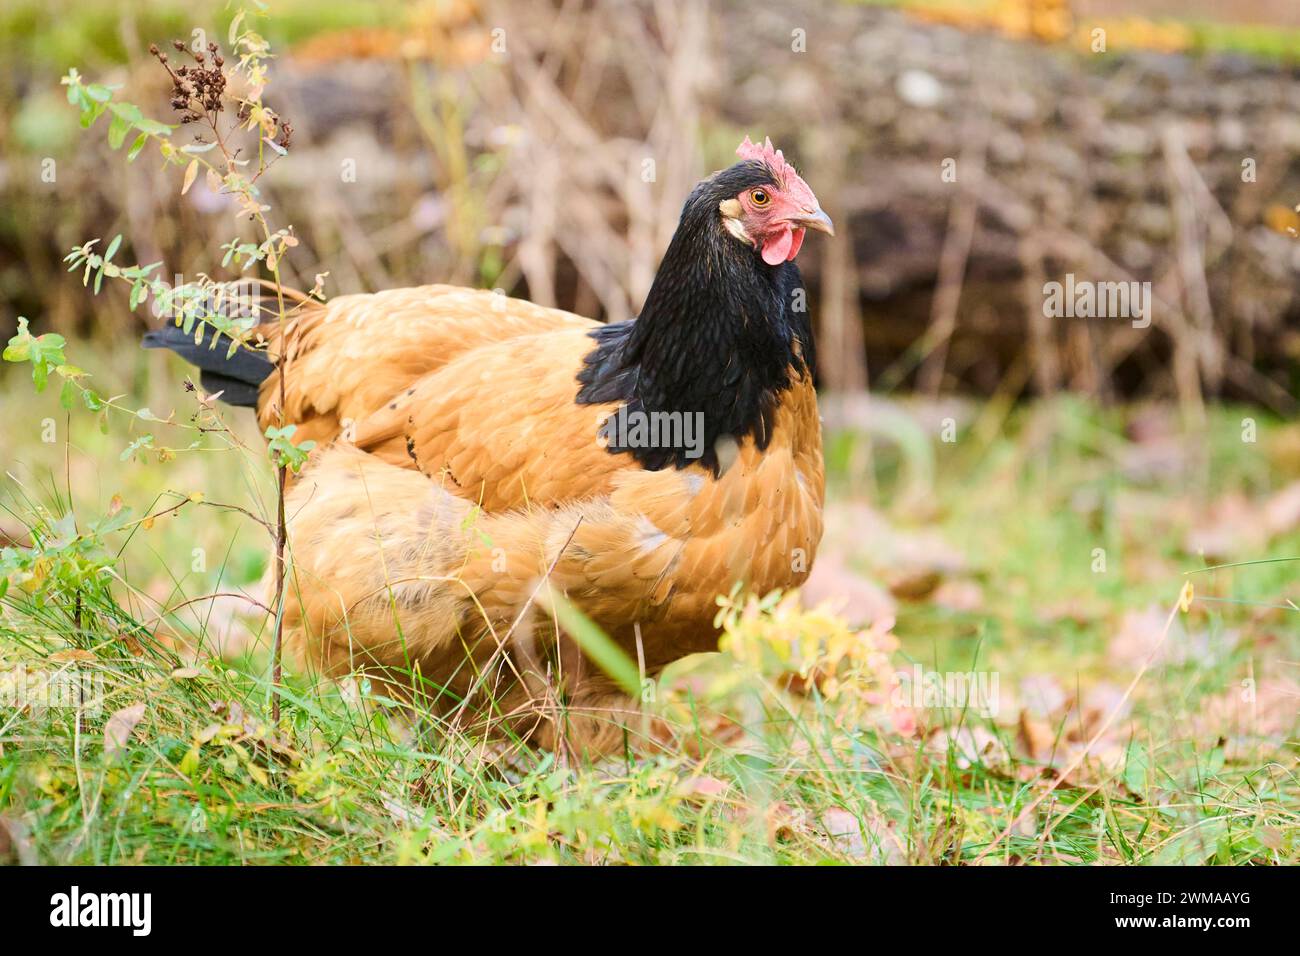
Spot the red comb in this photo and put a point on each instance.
(765, 154)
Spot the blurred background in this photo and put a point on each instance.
(546, 150)
(980, 453)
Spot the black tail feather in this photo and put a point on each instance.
(237, 377)
(233, 391)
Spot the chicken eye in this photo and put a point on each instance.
(759, 197)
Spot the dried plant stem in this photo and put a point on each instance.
(281, 526)
(281, 539)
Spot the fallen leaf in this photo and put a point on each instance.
(1036, 737)
(783, 821)
(118, 729)
(1042, 695)
(915, 585)
(852, 596)
(703, 788)
(132, 644)
(16, 847)
(846, 833)
(1139, 634)
(970, 746)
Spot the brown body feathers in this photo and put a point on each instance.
(471, 470)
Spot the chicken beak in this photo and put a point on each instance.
(817, 220)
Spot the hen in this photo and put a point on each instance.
(478, 452)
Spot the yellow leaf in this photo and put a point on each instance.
(190, 762)
(147, 523)
(72, 654)
(196, 497)
(1185, 598)
(233, 35)
(191, 171)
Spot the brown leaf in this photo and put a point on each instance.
(1139, 634)
(191, 171)
(846, 835)
(783, 821)
(132, 644)
(703, 789)
(915, 585)
(853, 596)
(1270, 837)
(1037, 737)
(970, 746)
(16, 846)
(117, 732)
(1042, 695)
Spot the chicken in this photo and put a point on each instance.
(478, 453)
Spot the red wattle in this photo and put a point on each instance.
(794, 246)
(776, 248)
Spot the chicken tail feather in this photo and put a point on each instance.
(237, 377)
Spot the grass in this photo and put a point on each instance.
(755, 770)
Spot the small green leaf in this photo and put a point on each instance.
(129, 113)
(141, 443)
(117, 130)
(153, 127)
